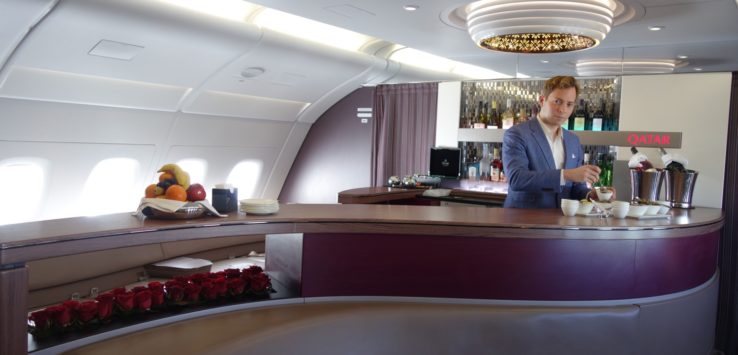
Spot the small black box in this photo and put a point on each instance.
(444, 162)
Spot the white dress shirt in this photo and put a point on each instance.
(555, 140)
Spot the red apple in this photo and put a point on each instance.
(195, 192)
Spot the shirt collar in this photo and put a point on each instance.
(551, 133)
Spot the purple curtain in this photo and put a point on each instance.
(404, 130)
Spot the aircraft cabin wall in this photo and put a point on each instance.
(96, 95)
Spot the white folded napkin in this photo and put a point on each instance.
(636, 159)
(166, 205)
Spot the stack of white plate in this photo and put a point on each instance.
(259, 206)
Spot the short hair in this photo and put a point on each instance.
(559, 82)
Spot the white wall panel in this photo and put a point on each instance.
(447, 119)
(69, 167)
(28, 120)
(204, 130)
(286, 158)
(696, 105)
(59, 86)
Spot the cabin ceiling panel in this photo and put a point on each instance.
(293, 69)
(179, 48)
(59, 86)
(688, 23)
(247, 106)
(16, 19)
(28, 120)
(202, 130)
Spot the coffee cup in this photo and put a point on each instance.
(569, 207)
(225, 198)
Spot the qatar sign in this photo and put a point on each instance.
(631, 138)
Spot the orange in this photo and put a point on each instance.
(151, 191)
(176, 192)
(166, 176)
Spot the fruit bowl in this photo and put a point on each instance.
(188, 211)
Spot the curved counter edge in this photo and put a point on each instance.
(690, 315)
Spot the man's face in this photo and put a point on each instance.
(557, 107)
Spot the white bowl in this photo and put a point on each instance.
(653, 210)
(585, 207)
(567, 202)
(664, 210)
(620, 212)
(637, 210)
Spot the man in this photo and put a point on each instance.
(543, 161)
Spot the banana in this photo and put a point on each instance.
(182, 177)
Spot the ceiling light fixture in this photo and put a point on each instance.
(411, 7)
(698, 69)
(682, 56)
(615, 67)
(656, 28)
(539, 26)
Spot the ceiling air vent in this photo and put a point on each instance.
(115, 50)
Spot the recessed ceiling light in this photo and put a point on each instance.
(544, 61)
(682, 56)
(411, 7)
(252, 72)
(698, 69)
(655, 28)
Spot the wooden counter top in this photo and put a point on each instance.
(35, 240)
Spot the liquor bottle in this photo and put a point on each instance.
(604, 161)
(586, 158)
(580, 116)
(588, 116)
(534, 111)
(484, 164)
(478, 121)
(508, 117)
(496, 165)
(485, 115)
(673, 163)
(523, 116)
(598, 118)
(494, 117)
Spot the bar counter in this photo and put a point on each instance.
(331, 250)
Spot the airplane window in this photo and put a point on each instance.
(196, 168)
(111, 187)
(25, 184)
(244, 176)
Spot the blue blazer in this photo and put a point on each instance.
(534, 181)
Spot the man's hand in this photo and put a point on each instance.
(584, 173)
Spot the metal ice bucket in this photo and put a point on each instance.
(645, 186)
(679, 188)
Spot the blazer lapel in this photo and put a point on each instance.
(570, 151)
(543, 145)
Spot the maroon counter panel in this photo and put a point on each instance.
(504, 268)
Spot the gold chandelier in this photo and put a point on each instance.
(539, 26)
